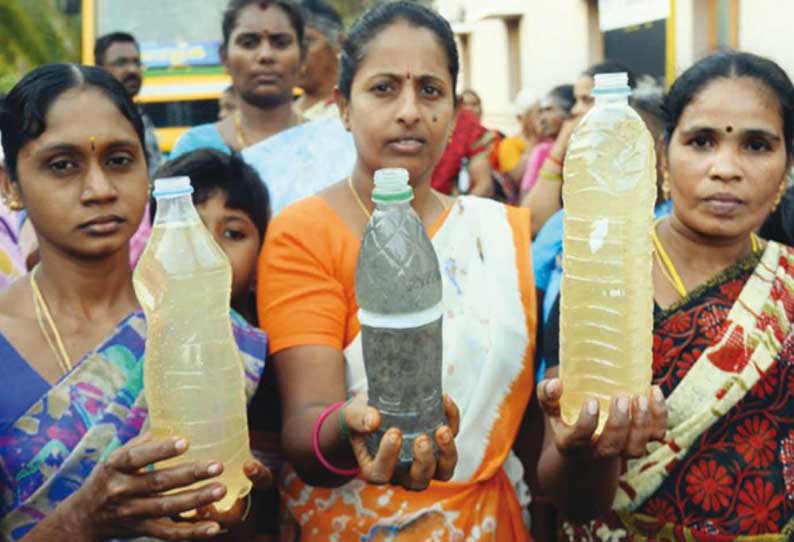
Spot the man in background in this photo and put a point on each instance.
(120, 55)
(320, 71)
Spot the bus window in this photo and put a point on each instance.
(184, 113)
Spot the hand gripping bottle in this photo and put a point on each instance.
(398, 289)
(606, 299)
(193, 374)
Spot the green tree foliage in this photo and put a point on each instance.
(34, 32)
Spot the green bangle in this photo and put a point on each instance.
(342, 426)
(550, 176)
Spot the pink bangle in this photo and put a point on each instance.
(316, 442)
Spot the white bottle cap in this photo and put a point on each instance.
(170, 187)
(391, 184)
(611, 83)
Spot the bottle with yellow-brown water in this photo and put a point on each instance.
(193, 373)
(606, 298)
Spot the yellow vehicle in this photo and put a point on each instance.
(183, 77)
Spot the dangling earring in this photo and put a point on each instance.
(779, 196)
(12, 202)
(666, 185)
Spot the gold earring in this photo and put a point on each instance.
(12, 202)
(779, 196)
(666, 185)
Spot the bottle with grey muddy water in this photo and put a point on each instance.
(398, 290)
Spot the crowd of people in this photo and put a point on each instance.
(284, 186)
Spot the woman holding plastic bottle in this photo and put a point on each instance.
(397, 97)
(723, 350)
(73, 465)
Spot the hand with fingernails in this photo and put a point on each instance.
(362, 419)
(631, 424)
(122, 498)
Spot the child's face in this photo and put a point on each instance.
(237, 235)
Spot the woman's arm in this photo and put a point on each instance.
(480, 176)
(545, 198)
(543, 201)
(310, 379)
(580, 471)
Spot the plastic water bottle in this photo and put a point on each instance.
(398, 289)
(193, 373)
(607, 295)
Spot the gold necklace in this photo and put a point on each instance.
(668, 268)
(238, 125)
(43, 315)
(367, 211)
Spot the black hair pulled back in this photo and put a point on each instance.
(24, 110)
(381, 16)
(729, 65)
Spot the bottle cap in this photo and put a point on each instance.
(170, 187)
(611, 83)
(391, 184)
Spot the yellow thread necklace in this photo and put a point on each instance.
(666, 264)
(367, 212)
(238, 124)
(45, 320)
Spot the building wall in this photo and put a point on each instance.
(552, 42)
(765, 29)
(557, 39)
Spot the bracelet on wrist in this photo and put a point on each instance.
(316, 442)
(555, 177)
(342, 425)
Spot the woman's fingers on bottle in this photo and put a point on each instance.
(230, 517)
(612, 441)
(147, 483)
(361, 418)
(259, 475)
(136, 455)
(378, 469)
(163, 506)
(423, 467)
(453, 414)
(658, 409)
(168, 529)
(447, 454)
(579, 436)
(641, 426)
(549, 393)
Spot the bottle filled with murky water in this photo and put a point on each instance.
(398, 290)
(193, 373)
(606, 299)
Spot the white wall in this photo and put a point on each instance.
(692, 28)
(556, 44)
(765, 29)
(558, 40)
(488, 54)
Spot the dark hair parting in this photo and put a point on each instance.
(727, 65)
(383, 15)
(23, 112)
(234, 7)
